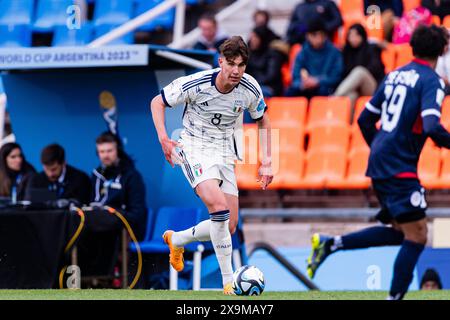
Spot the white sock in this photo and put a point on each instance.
(198, 233)
(221, 239)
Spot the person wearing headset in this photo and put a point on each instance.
(117, 183)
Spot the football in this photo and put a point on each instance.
(248, 281)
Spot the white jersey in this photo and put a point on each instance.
(209, 118)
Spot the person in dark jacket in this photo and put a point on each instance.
(261, 18)
(266, 62)
(439, 8)
(363, 67)
(117, 183)
(318, 67)
(430, 280)
(211, 37)
(15, 172)
(311, 10)
(64, 180)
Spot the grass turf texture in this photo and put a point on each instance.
(205, 295)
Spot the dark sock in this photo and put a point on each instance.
(370, 237)
(404, 266)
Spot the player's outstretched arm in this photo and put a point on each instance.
(265, 171)
(367, 123)
(157, 108)
(434, 129)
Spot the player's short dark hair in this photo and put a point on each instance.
(52, 154)
(265, 13)
(235, 47)
(209, 17)
(107, 137)
(316, 25)
(429, 42)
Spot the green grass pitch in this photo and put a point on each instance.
(206, 295)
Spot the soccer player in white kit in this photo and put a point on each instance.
(207, 151)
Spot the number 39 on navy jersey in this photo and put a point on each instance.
(405, 96)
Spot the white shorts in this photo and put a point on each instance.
(198, 167)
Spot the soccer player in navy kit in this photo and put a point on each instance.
(408, 102)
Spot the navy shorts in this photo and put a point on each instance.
(401, 200)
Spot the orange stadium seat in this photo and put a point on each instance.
(359, 107)
(355, 177)
(445, 116)
(352, 11)
(288, 170)
(404, 54)
(324, 166)
(430, 165)
(374, 32)
(388, 56)
(444, 180)
(247, 170)
(328, 111)
(436, 20)
(321, 138)
(288, 67)
(446, 22)
(287, 112)
(288, 115)
(410, 4)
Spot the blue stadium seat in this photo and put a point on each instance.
(63, 36)
(15, 36)
(105, 28)
(16, 11)
(112, 12)
(169, 218)
(197, 2)
(163, 21)
(51, 13)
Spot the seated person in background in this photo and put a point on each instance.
(443, 69)
(430, 280)
(266, 61)
(59, 177)
(261, 18)
(15, 172)
(311, 10)
(391, 12)
(118, 184)
(318, 67)
(363, 67)
(439, 8)
(211, 37)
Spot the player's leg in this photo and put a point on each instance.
(201, 232)
(323, 246)
(233, 205)
(410, 251)
(215, 200)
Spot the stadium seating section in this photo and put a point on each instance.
(19, 19)
(316, 146)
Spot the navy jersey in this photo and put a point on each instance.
(406, 95)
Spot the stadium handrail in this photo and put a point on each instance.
(328, 213)
(190, 38)
(144, 18)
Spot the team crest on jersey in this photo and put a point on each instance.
(198, 170)
(261, 105)
(238, 105)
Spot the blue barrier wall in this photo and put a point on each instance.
(361, 270)
(63, 106)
